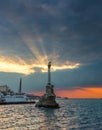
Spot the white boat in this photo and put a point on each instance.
(17, 98)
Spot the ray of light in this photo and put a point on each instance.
(37, 63)
(18, 65)
(41, 57)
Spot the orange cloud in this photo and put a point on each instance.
(81, 93)
(77, 93)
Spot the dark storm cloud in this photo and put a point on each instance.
(71, 28)
(74, 28)
(85, 76)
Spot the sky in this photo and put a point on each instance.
(66, 32)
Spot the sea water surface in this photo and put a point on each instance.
(73, 114)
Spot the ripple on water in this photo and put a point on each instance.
(72, 115)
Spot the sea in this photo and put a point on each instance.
(73, 114)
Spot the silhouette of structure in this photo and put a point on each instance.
(20, 86)
(48, 100)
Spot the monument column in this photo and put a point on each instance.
(49, 74)
(48, 100)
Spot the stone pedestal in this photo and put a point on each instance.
(48, 100)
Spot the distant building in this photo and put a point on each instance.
(5, 89)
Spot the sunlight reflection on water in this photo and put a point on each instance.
(72, 115)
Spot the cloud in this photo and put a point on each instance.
(67, 32)
(17, 65)
(71, 29)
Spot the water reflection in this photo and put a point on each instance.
(72, 115)
(28, 117)
(51, 119)
(31, 118)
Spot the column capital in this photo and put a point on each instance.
(49, 64)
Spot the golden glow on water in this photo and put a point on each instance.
(20, 117)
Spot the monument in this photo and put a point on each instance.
(48, 100)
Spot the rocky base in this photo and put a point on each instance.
(48, 102)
